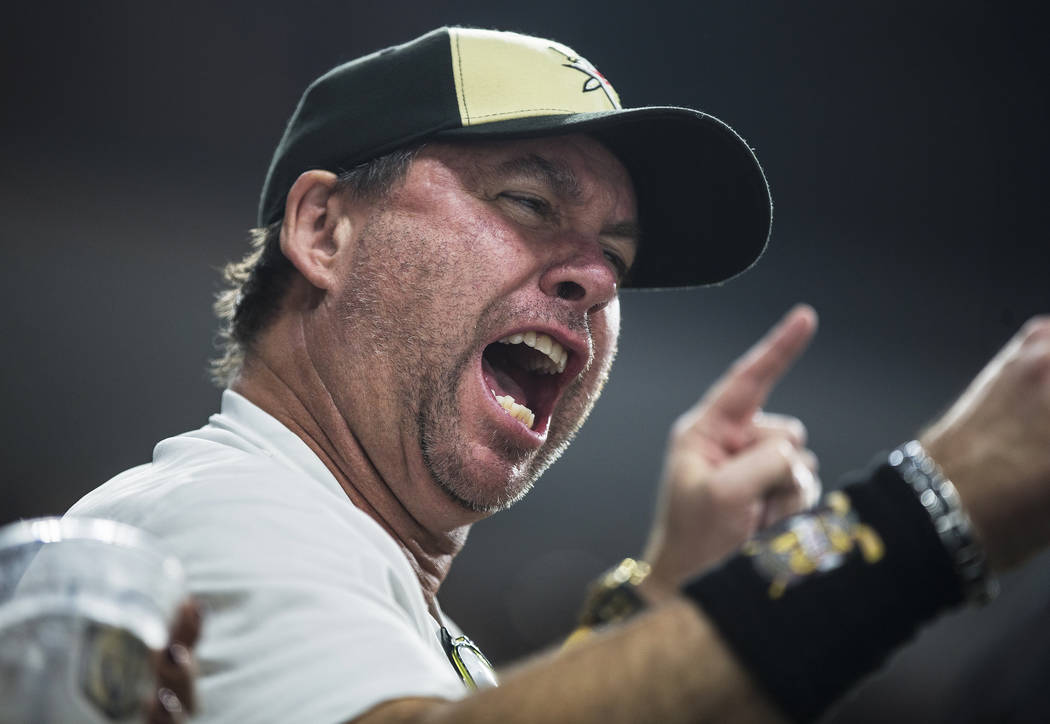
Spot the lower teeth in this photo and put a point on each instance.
(517, 411)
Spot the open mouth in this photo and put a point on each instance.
(525, 372)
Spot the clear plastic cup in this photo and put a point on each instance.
(82, 603)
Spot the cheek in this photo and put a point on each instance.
(605, 328)
(491, 249)
(466, 238)
(469, 246)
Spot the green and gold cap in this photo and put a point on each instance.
(703, 201)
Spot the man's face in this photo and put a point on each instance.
(479, 316)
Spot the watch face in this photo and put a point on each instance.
(114, 670)
(617, 604)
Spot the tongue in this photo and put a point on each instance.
(498, 380)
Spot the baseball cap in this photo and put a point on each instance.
(703, 201)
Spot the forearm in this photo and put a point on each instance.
(667, 665)
(807, 632)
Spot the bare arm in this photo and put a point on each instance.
(994, 444)
(667, 665)
(670, 664)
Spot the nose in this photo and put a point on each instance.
(580, 274)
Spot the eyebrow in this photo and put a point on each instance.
(627, 229)
(555, 175)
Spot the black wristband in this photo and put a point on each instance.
(820, 600)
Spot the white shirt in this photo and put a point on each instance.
(311, 611)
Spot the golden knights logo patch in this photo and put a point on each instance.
(505, 76)
(812, 543)
(595, 80)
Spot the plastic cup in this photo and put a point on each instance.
(82, 603)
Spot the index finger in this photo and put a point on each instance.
(746, 385)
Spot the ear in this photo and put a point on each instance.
(310, 216)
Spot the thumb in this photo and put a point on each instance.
(756, 472)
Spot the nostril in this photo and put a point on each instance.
(570, 291)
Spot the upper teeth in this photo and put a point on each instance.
(556, 355)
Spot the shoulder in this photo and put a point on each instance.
(207, 493)
(296, 583)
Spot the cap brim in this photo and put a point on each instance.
(703, 202)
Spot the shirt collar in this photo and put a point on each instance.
(266, 433)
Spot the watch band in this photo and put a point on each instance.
(941, 501)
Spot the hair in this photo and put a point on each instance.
(255, 286)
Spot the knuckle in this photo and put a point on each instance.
(683, 424)
(1034, 362)
(811, 460)
(1041, 368)
(798, 431)
(1036, 328)
(783, 468)
(784, 449)
(786, 426)
(801, 475)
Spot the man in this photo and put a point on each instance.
(429, 314)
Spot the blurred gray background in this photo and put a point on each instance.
(905, 144)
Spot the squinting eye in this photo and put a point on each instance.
(534, 204)
(619, 264)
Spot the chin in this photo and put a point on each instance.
(476, 486)
(488, 479)
(482, 466)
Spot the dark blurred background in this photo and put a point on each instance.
(905, 144)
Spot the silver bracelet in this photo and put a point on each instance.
(941, 501)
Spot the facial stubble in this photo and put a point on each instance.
(405, 332)
(448, 457)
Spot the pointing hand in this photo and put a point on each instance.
(730, 468)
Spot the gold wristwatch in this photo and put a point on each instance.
(612, 598)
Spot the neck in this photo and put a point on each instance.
(288, 388)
